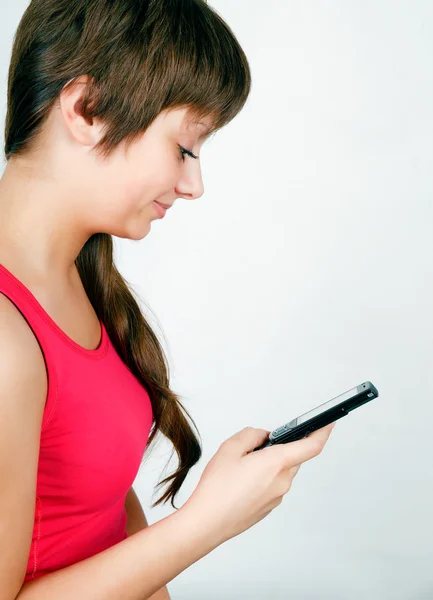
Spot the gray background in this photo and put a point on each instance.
(304, 270)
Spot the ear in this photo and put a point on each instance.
(85, 132)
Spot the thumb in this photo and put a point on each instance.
(250, 438)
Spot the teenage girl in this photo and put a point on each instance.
(109, 103)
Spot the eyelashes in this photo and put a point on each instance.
(184, 151)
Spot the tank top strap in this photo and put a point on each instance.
(58, 349)
(44, 327)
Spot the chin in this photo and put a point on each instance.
(137, 231)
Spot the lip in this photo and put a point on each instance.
(160, 209)
(163, 205)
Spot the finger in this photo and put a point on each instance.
(298, 452)
(248, 439)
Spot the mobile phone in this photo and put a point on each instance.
(322, 415)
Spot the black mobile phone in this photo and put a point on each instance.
(322, 415)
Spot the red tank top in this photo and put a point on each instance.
(96, 423)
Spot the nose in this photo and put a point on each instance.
(191, 185)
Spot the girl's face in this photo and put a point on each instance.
(157, 166)
(116, 195)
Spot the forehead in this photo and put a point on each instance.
(203, 126)
(205, 130)
(185, 121)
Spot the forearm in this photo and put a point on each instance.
(133, 569)
(136, 522)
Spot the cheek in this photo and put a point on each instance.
(150, 186)
(139, 193)
(135, 185)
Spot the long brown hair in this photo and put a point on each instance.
(142, 57)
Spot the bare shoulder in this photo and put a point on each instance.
(22, 364)
(23, 392)
(16, 334)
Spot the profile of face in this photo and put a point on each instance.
(116, 194)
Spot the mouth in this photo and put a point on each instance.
(163, 205)
(160, 209)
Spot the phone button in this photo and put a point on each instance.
(280, 431)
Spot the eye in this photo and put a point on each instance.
(184, 151)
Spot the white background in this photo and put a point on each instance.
(304, 270)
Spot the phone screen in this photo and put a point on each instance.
(326, 406)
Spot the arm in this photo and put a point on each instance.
(133, 569)
(136, 522)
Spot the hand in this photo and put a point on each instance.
(239, 487)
